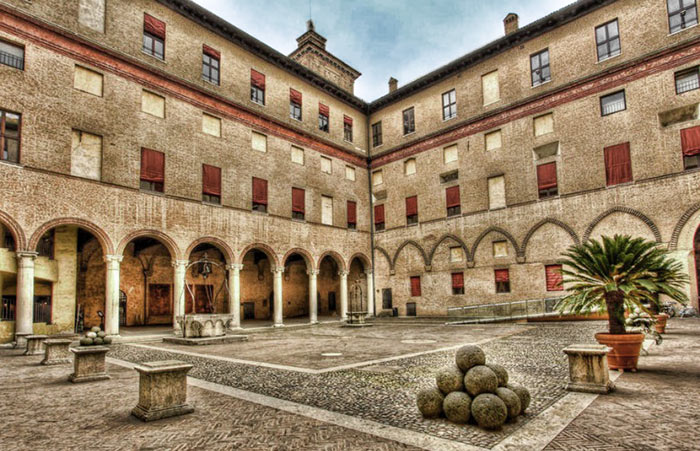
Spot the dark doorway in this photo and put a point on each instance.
(122, 308)
(387, 300)
(331, 301)
(249, 310)
(411, 309)
(159, 304)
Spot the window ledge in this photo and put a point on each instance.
(257, 103)
(211, 204)
(449, 118)
(541, 84)
(209, 82)
(682, 30)
(11, 163)
(302, 221)
(605, 60)
(162, 60)
(153, 193)
(261, 213)
(409, 134)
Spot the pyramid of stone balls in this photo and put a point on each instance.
(474, 390)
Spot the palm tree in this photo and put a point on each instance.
(622, 272)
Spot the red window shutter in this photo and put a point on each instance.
(211, 180)
(323, 109)
(618, 166)
(554, 278)
(458, 280)
(347, 120)
(257, 79)
(547, 176)
(411, 205)
(502, 275)
(295, 96)
(152, 166)
(154, 26)
(259, 191)
(352, 212)
(415, 286)
(298, 200)
(379, 214)
(211, 52)
(452, 196)
(690, 140)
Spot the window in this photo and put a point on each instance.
(153, 36)
(377, 177)
(297, 155)
(412, 210)
(489, 88)
(152, 170)
(257, 87)
(497, 192)
(347, 128)
(379, 217)
(690, 143)
(153, 104)
(500, 249)
(544, 124)
(259, 195)
(415, 286)
(618, 166)
(9, 136)
(377, 134)
(452, 201)
(687, 80)
(259, 142)
(387, 301)
(86, 155)
(539, 67)
(409, 121)
(11, 55)
(450, 154)
(612, 103)
(350, 173)
(681, 14)
(42, 309)
(294, 104)
(211, 184)
(211, 125)
(457, 283)
(449, 176)
(547, 180)
(46, 245)
(554, 278)
(493, 140)
(546, 150)
(323, 115)
(88, 81)
(210, 64)
(411, 309)
(502, 277)
(456, 254)
(327, 210)
(449, 105)
(607, 38)
(409, 166)
(326, 165)
(298, 203)
(9, 304)
(352, 215)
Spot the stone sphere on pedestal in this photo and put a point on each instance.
(457, 407)
(430, 402)
(511, 400)
(501, 373)
(450, 380)
(489, 411)
(523, 394)
(469, 356)
(480, 379)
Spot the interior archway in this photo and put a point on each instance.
(328, 296)
(295, 286)
(257, 286)
(207, 289)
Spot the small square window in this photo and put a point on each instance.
(409, 166)
(377, 178)
(326, 165)
(350, 173)
(456, 254)
(297, 155)
(613, 103)
(544, 124)
(450, 154)
(259, 142)
(11, 55)
(493, 140)
(687, 80)
(500, 249)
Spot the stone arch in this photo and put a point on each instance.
(304, 253)
(218, 243)
(335, 256)
(271, 254)
(363, 258)
(383, 251)
(444, 238)
(630, 211)
(496, 229)
(16, 231)
(414, 244)
(552, 221)
(164, 239)
(101, 235)
(682, 222)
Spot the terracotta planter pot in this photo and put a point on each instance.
(625, 349)
(660, 324)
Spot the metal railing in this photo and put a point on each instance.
(686, 85)
(11, 60)
(505, 311)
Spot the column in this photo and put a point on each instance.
(278, 296)
(370, 292)
(24, 313)
(343, 295)
(234, 293)
(313, 301)
(179, 291)
(112, 294)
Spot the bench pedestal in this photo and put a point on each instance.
(89, 364)
(162, 390)
(35, 344)
(588, 369)
(56, 352)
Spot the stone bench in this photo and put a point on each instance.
(89, 364)
(588, 369)
(35, 344)
(162, 390)
(56, 351)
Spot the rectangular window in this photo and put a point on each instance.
(153, 36)
(544, 124)
(377, 178)
(497, 192)
(547, 180)
(377, 134)
(489, 88)
(452, 201)
(257, 87)
(42, 309)
(687, 80)
(259, 195)
(618, 165)
(554, 278)
(153, 104)
(352, 215)
(47, 244)
(502, 277)
(539, 67)
(86, 155)
(11, 55)
(211, 184)
(387, 301)
(612, 103)
(449, 105)
(456, 254)
(297, 155)
(681, 14)
(211, 125)
(211, 65)
(9, 304)
(327, 210)
(323, 114)
(295, 104)
(690, 143)
(152, 170)
(457, 283)
(347, 128)
(409, 166)
(10, 136)
(350, 173)
(415, 286)
(493, 140)
(500, 249)
(326, 165)
(607, 38)
(88, 81)
(409, 121)
(298, 203)
(450, 154)
(379, 217)
(259, 142)
(412, 210)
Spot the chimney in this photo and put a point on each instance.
(393, 84)
(510, 23)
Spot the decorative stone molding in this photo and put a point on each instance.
(629, 211)
(495, 229)
(235, 267)
(216, 242)
(313, 272)
(420, 249)
(543, 222)
(335, 256)
(101, 235)
(447, 237)
(15, 230)
(205, 325)
(267, 250)
(113, 258)
(383, 251)
(164, 239)
(179, 263)
(673, 243)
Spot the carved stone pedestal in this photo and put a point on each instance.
(162, 390)
(200, 325)
(588, 369)
(35, 344)
(56, 352)
(89, 364)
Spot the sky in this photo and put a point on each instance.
(404, 39)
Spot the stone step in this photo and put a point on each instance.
(206, 340)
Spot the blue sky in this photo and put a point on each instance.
(382, 38)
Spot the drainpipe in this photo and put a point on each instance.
(371, 213)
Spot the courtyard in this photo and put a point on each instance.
(330, 387)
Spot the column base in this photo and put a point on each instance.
(92, 378)
(278, 325)
(314, 322)
(158, 414)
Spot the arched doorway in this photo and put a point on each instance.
(696, 252)
(329, 286)
(207, 289)
(257, 286)
(357, 283)
(295, 286)
(8, 281)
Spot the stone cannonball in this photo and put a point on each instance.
(480, 379)
(469, 356)
(510, 399)
(457, 407)
(85, 341)
(430, 402)
(450, 379)
(91, 335)
(95, 329)
(489, 411)
(523, 394)
(501, 373)
(107, 340)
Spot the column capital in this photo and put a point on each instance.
(26, 254)
(368, 271)
(181, 263)
(313, 272)
(278, 270)
(113, 258)
(343, 273)
(235, 266)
